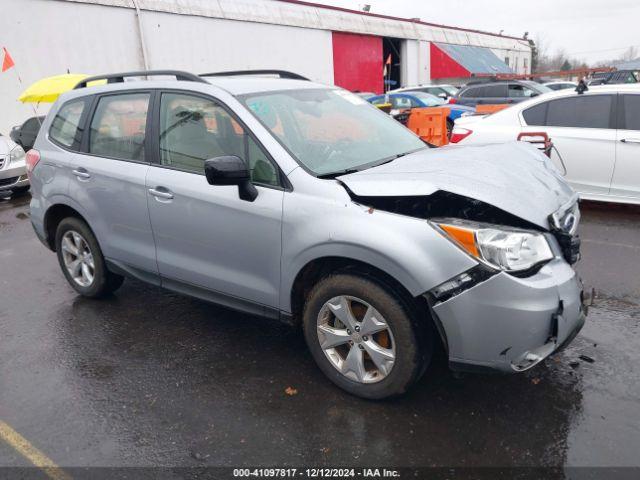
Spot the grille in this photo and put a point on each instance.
(570, 245)
(8, 181)
(564, 227)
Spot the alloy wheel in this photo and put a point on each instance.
(77, 257)
(356, 339)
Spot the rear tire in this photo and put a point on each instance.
(81, 260)
(389, 361)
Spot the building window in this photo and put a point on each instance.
(506, 60)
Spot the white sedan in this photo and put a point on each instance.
(597, 135)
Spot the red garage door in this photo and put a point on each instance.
(357, 62)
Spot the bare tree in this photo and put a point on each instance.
(630, 53)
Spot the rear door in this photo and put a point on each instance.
(493, 94)
(626, 177)
(206, 236)
(107, 178)
(582, 130)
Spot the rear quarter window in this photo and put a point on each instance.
(65, 129)
(536, 115)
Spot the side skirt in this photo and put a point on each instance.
(211, 296)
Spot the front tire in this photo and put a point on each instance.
(81, 260)
(366, 339)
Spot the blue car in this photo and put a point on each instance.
(401, 101)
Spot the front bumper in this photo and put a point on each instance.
(510, 324)
(14, 176)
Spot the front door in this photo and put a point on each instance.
(205, 235)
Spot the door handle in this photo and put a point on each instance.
(164, 194)
(630, 140)
(81, 173)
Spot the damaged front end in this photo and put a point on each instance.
(522, 302)
(509, 209)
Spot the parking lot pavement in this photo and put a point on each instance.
(148, 377)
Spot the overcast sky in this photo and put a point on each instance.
(592, 30)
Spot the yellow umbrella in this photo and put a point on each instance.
(49, 89)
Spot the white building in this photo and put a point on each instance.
(327, 44)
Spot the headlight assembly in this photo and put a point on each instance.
(502, 248)
(16, 154)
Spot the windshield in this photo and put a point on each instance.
(449, 89)
(538, 86)
(428, 99)
(331, 131)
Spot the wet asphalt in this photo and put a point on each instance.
(151, 378)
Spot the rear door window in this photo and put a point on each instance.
(118, 126)
(630, 113)
(580, 111)
(495, 91)
(65, 128)
(470, 93)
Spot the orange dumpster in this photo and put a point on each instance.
(430, 124)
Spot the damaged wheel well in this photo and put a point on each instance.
(319, 268)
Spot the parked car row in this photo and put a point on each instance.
(596, 135)
(402, 100)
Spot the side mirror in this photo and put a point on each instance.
(231, 170)
(443, 96)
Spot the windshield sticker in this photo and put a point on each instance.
(350, 97)
(259, 108)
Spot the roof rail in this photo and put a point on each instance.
(280, 73)
(119, 77)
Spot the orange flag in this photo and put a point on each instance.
(388, 62)
(8, 62)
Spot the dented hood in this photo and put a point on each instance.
(515, 177)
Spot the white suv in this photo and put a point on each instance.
(596, 134)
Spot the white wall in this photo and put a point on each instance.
(48, 38)
(410, 59)
(93, 39)
(202, 45)
(424, 62)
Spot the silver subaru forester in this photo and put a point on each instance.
(280, 197)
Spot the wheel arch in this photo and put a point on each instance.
(52, 218)
(318, 268)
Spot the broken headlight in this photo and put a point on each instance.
(503, 248)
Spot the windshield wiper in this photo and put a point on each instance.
(395, 157)
(338, 173)
(371, 165)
